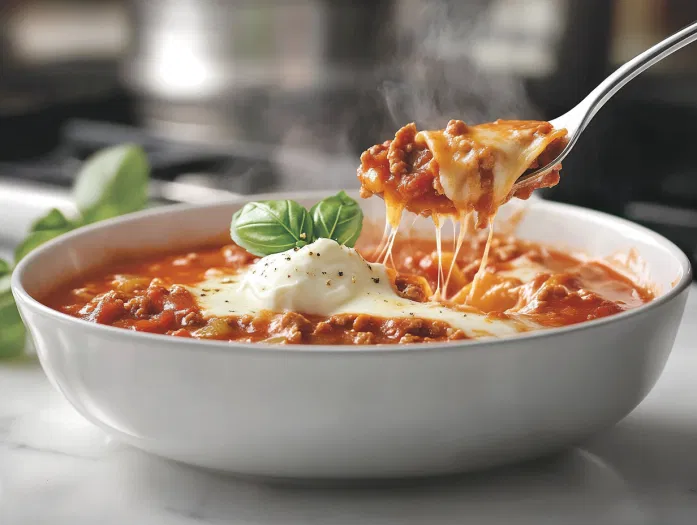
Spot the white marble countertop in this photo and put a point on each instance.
(56, 468)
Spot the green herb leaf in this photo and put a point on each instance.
(5, 268)
(53, 220)
(12, 332)
(35, 239)
(5, 284)
(267, 227)
(338, 217)
(112, 182)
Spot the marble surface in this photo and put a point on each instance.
(56, 468)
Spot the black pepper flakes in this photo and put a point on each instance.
(376, 280)
(227, 301)
(324, 273)
(318, 254)
(341, 274)
(288, 276)
(287, 258)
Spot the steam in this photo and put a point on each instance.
(430, 78)
(436, 79)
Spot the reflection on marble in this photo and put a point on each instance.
(56, 468)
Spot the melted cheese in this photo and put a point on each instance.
(506, 148)
(523, 269)
(515, 146)
(301, 281)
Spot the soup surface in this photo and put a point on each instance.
(324, 293)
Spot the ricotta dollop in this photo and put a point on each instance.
(325, 278)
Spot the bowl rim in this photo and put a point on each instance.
(22, 296)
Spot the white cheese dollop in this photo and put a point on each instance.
(325, 278)
(316, 279)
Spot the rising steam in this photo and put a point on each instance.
(436, 79)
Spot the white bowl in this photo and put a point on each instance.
(352, 412)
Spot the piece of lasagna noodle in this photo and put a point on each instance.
(464, 172)
(459, 169)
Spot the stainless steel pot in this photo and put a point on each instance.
(226, 69)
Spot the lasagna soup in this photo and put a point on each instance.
(308, 276)
(327, 293)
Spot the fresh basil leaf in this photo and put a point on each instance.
(112, 182)
(5, 284)
(338, 217)
(53, 220)
(267, 227)
(5, 269)
(36, 239)
(12, 331)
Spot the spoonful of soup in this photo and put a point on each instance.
(463, 169)
(459, 169)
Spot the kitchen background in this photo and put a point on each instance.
(246, 96)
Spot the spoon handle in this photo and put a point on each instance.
(613, 83)
(576, 119)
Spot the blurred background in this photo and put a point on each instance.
(245, 96)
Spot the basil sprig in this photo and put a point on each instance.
(267, 227)
(112, 182)
(53, 220)
(36, 239)
(45, 228)
(338, 217)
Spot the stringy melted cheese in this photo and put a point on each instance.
(472, 169)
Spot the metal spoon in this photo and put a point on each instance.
(576, 119)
